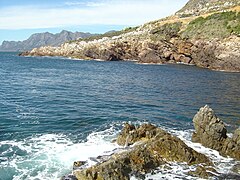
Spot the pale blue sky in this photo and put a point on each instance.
(21, 18)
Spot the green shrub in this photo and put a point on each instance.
(109, 34)
(166, 31)
(218, 25)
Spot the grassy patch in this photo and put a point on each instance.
(218, 25)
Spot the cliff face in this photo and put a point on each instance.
(210, 40)
(42, 39)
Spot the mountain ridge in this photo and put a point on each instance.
(43, 39)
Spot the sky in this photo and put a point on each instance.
(21, 18)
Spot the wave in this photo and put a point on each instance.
(50, 156)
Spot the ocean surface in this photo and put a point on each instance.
(54, 111)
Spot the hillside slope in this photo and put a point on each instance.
(198, 7)
(206, 39)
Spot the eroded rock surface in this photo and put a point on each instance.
(154, 147)
(211, 132)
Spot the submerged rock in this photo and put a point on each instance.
(211, 132)
(154, 147)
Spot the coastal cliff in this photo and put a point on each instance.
(147, 147)
(208, 37)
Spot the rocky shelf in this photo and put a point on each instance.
(146, 147)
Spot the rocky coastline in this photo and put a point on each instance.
(146, 147)
(209, 38)
(221, 55)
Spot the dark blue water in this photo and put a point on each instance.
(71, 99)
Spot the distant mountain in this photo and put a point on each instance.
(43, 39)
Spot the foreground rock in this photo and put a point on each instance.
(211, 132)
(154, 147)
(147, 147)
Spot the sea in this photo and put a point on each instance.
(54, 111)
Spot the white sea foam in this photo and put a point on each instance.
(51, 156)
(222, 164)
(171, 171)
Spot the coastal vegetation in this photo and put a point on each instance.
(109, 34)
(219, 25)
(166, 31)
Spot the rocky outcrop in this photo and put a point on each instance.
(154, 147)
(147, 147)
(197, 7)
(218, 55)
(211, 132)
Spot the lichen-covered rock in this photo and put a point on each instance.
(211, 132)
(154, 148)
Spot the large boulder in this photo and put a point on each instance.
(153, 147)
(211, 132)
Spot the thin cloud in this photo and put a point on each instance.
(74, 3)
(87, 4)
(87, 13)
